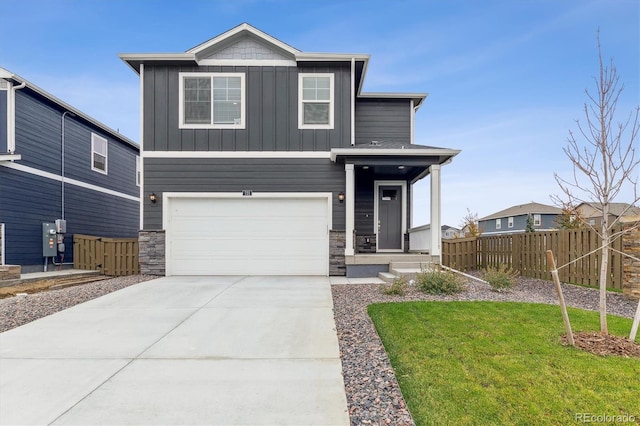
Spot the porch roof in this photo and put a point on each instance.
(393, 157)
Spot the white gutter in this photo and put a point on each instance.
(11, 117)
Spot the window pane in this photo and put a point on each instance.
(226, 112)
(316, 113)
(197, 100)
(322, 83)
(99, 162)
(309, 82)
(100, 146)
(323, 94)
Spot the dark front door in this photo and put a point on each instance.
(390, 217)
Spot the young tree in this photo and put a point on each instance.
(470, 226)
(604, 159)
(570, 217)
(530, 227)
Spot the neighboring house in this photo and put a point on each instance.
(58, 163)
(592, 212)
(514, 219)
(262, 159)
(449, 232)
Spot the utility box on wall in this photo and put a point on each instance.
(49, 240)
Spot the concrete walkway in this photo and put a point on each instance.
(181, 350)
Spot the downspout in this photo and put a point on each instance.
(62, 155)
(353, 101)
(11, 112)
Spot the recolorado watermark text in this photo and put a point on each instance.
(605, 418)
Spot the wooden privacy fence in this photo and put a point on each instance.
(111, 256)
(526, 253)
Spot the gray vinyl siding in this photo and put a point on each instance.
(39, 142)
(271, 114)
(3, 121)
(383, 120)
(519, 224)
(26, 201)
(235, 175)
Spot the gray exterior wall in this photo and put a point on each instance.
(271, 121)
(3, 121)
(383, 120)
(519, 224)
(235, 175)
(28, 200)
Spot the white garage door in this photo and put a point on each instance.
(247, 236)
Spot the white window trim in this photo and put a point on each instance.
(138, 171)
(498, 223)
(94, 137)
(331, 102)
(537, 220)
(510, 222)
(211, 125)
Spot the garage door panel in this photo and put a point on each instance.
(248, 236)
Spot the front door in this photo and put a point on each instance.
(390, 217)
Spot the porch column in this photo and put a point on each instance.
(436, 224)
(350, 200)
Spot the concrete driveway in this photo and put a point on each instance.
(181, 350)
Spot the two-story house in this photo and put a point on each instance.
(514, 219)
(591, 213)
(258, 158)
(56, 162)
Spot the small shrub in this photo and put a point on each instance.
(439, 282)
(500, 278)
(397, 288)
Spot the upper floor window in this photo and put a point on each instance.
(498, 223)
(98, 153)
(315, 106)
(212, 100)
(510, 222)
(537, 220)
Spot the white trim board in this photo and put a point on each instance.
(376, 188)
(42, 173)
(236, 154)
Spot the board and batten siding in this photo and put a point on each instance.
(383, 120)
(271, 119)
(39, 142)
(236, 175)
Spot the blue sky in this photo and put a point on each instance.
(506, 79)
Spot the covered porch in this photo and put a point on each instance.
(379, 228)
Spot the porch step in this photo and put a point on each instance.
(387, 277)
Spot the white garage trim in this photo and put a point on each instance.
(169, 197)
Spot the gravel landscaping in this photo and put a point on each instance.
(373, 395)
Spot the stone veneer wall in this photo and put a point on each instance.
(9, 272)
(337, 265)
(631, 267)
(362, 246)
(151, 252)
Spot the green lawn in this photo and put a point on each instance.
(502, 363)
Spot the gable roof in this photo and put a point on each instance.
(616, 209)
(206, 53)
(524, 209)
(63, 106)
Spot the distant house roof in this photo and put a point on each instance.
(616, 209)
(63, 106)
(524, 209)
(447, 227)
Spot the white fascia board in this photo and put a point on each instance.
(418, 98)
(392, 152)
(249, 62)
(77, 112)
(311, 56)
(10, 157)
(67, 181)
(236, 154)
(133, 59)
(239, 29)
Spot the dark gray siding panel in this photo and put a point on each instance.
(26, 201)
(271, 112)
(39, 142)
(234, 175)
(3, 121)
(383, 119)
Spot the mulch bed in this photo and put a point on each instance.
(605, 344)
